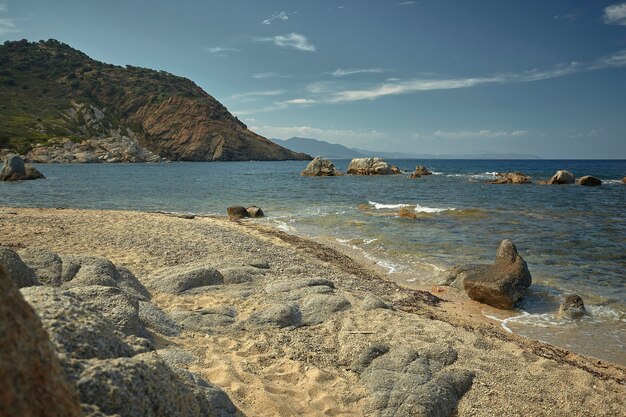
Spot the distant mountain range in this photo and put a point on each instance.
(315, 147)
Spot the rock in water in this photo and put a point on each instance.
(510, 178)
(237, 212)
(32, 381)
(562, 177)
(590, 181)
(500, 285)
(371, 166)
(255, 212)
(14, 169)
(319, 167)
(420, 171)
(572, 307)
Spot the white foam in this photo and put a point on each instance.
(436, 173)
(379, 206)
(613, 182)
(423, 209)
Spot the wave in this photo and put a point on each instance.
(417, 208)
(381, 206)
(613, 182)
(422, 209)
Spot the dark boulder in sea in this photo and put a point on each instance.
(589, 181)
(561, 177)
(572, 307)
(237, 212)
(500, 285)
(319, 167)
(32, 380)
(254, 211)
(371, 166)
(510, 178)
(14, 169)
(420, 171)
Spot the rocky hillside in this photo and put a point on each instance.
(50, 92)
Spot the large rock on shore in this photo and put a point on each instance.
(500, 285)
(319, 167)
(180, 279)
(371, 166)
(21, 274)
(420, 171)
(14, 169)
(561, 177)
(510, 178)
(31, 378)
(589, 181)
(237, 212)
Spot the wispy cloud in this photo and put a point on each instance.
(615, 14)
(7, 25)
(253, 94)
(469, 134)
(290, 40)
(418, 85)
(264, 75)
(351, 71)
(276, 16)
(220, 49)
(407, 3)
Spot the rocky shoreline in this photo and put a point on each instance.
(284, 325)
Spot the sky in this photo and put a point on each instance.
(540, 77)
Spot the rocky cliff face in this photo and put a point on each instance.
(52, 93)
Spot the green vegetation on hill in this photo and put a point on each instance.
(50, 92)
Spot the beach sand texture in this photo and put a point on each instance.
(358, 352)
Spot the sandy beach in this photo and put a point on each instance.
(327, 365)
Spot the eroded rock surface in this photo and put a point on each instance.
(319, 167)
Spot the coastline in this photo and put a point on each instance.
(279, 371)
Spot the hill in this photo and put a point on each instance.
(50, 92)
(317, 147)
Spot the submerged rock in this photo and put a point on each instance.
(420, 171)
(371, 166)
(14, 169)
(319, 167)
(500, 285)
(588, 180)
(32, 380)
(572, 307)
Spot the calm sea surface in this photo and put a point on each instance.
(573, 238)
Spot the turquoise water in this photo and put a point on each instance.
(573, 238)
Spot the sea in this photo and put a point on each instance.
(572, 237)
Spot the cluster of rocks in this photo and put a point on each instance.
(99, 357)
(510, 178)
(500, 285)
(241, 212)
(112, 149)
(14, 169)
(371, 166)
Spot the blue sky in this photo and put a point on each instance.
(431, 76)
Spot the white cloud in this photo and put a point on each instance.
(263, 75)
(220, 49)
(277, 15)
(339, 72)
(615, 14)
(267, 93)
(7, 25)
(290, 40)
(407, 3)
(468, 134)
(300, 101)
(416, 85)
